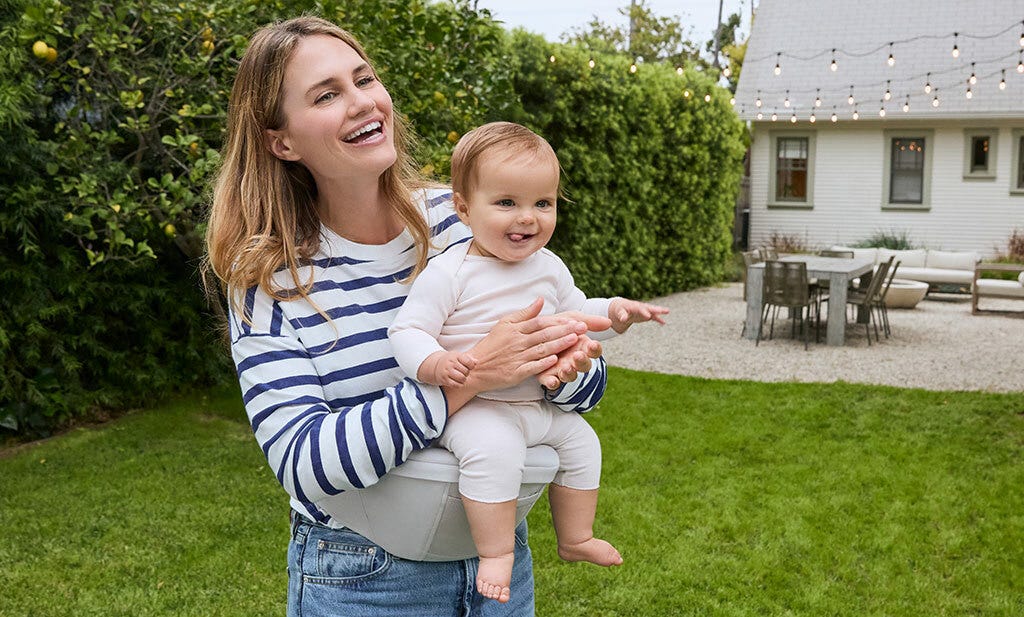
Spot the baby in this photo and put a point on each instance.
(505, 180)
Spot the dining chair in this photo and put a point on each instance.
(868, 297)
(786, 286)
(882, 308)
(749, 258)
(833, 253)
(768, 253)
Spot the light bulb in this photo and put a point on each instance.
(881, 113)
(817, 99)
(888, 95)
(812, 119)
(834, 67)
(757, 103)
(935, 101)
(679, 70)
(891, 61)
(777, 70)
(552, 59)
(632, 68)
(928, 88)
(1020, 67)
(726, 72)
(732, 101)
(760, 116)
(834, 117)
(956, 50)
(906, 107)
(849, 99)
(969, 94)
(973, 79)
(786, 102)
(793, 118)
(775, 116)
(591, 63)
(855, 114)
(707, 98)
(1002, 82)
(686, 94)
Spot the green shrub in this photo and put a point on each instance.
(893, 240)
(652, 173)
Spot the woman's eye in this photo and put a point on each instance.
(326, 96)
(365, 81)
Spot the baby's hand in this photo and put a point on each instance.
(624, 313)
(446, 368)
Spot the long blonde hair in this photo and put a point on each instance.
(263, 217)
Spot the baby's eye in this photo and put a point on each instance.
(326, 96)
(543, 204)
(506, 203)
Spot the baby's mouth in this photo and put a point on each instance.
(519, 237)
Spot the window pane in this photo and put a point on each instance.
(979, 153)
(906, 174)
(791, 169)
(1020, 162)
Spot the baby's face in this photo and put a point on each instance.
(511, 209)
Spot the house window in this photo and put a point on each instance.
(908, 162)
(980, 153)
(792, 169)
(1017, 168)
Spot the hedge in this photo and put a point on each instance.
(112, 117)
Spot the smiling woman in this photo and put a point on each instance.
(318, 218)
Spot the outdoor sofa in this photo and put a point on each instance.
(943, 271)
(1012, 289)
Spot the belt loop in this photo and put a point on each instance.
(300, 528)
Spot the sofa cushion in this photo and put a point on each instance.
(1000, 288)
(911, 259)
(936, 275)
(956, 260)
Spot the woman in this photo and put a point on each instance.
(317, 219)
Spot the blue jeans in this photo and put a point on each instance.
(337, 572)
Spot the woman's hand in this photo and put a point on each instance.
(523, 344)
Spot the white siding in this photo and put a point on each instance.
(848, 174)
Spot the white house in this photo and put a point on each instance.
(883, 116)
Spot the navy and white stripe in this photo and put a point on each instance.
(326, 400)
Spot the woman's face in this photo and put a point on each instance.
(339, 121)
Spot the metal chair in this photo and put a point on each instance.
(749, 258)
(882, 308)
(786, 286)
(839, 254)
(868, 297)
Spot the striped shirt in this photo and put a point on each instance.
(328, 404)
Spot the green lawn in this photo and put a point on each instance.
(725, 498)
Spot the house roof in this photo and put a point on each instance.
(800, 37)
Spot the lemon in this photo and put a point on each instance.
(116, 207)
(453, 137)
(207, 47)
(169, 229)
(39, 48)
(51, 54)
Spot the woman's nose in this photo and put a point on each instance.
(362, 103)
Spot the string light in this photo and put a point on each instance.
(760, 116)
(956, 50)
(793, 118)
(888, 94)
(906, 104)
(786, 102)
(1022, 33)
(973, 78)
(891, 61)
(1020, 65)
(856, 116)
(632, 68)
(834, 117)
(812, 119)
(686, 94)
(834, 67)
(849, 99)
(817, 99)
(969, 94)
(732, 101)
(726, 71)
(928, 84)
(591, 63)
(778, 69)
(707, 98)
(679, 70)
(775, 116)
(552, 59)
(757, 103)
(881, 111)
(935, 101)
(1002, 82)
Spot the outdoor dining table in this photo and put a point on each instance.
(837, 271)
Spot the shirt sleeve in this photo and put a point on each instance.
(316, 451)
(414, 332)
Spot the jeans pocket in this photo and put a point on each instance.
(341, 561)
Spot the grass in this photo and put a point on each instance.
(725, 498)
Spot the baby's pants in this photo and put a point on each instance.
(490, 440)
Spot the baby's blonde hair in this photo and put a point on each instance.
(507, 138)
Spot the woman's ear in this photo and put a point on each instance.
(277, 143)
(461, 208)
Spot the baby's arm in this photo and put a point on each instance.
(625, 313)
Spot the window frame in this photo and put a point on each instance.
(773, 160)
(928, 135)
(993, 147)
(1016, 170)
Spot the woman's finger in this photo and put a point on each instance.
(525, 314)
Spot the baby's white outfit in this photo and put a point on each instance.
(453, 304)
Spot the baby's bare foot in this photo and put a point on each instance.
(494, 576)
(594, 550)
